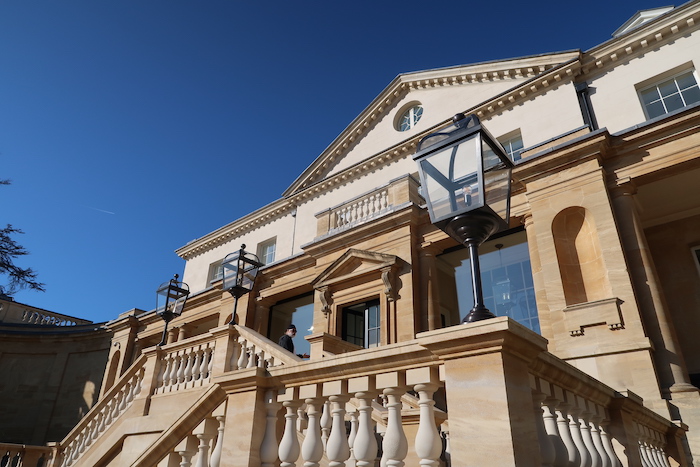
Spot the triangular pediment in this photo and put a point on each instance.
(441, 93)
(640, 18)
(354, 263)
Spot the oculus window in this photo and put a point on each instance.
(670, 94)
(298, 311)
(361, 324)
(506, 277)
(410, 117)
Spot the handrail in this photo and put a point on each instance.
(255, 343)
(114, 402)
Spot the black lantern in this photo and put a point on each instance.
(465, 175)
(239, 270)
(170, 301)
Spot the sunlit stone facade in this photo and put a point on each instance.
(593, 359)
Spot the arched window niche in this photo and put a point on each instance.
(579, 255)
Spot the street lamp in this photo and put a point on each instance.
(465, 175)
(239, 270)
(170, 301)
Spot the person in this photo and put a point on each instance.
(286, 341)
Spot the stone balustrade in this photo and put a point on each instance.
(185, 365)
(250, 349)
(18, 313)
(12, 455)
(368, 206)
(203, 446)
(482, 394)
(103, 414)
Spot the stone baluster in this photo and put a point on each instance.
(365, 443)
(586, 415)
(186, 449)
(547, 452)
(204, 366)
(289, 444)
(337, 445)
(312, 447)
(446, 448)
(219, 446)
(199, 368)
(428, 445)
(562, 413)
(659, 446)
(325, 423)
(251, 360)
(181, 364)
(268, 446)
(190, 356)
(205, 432)
(124, 393)
(162, 373)
(607, 444)
(210, 362)
(561, 458)
(261, 358)
(395, 444)
(243, 359)
(235, 354)
(353, 434)
(575, 428)
(597, 417)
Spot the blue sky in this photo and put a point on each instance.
(129, 128)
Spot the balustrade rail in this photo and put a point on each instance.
(368, 206)
(104, 413)
(390, 405)
(22, 455)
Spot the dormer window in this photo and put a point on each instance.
(409, 118)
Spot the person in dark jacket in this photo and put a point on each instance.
(286, 340)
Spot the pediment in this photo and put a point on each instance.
(640, 18)
(442, 92)
(352, 264)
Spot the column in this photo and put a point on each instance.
(670, 364)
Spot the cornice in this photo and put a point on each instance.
(252, 221)
(519, 68)
(662, 30)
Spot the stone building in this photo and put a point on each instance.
(592, 360)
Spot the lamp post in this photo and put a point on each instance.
(465, 174)
(239, 270)
(171, 297)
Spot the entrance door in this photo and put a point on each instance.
(361, 324)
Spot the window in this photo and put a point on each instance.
(215, 271)
(266, 250)
(409, 117)
(506, 277)
(670, 94)
(513, 144)
(361, 324)
(298, 311)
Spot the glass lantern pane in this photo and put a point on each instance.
(451, 179)
(497, 187)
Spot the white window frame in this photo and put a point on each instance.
(660, 79)
(261, 250)
(215, 272)
(507, 143)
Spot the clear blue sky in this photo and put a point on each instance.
(129, 128)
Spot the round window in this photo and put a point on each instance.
(410, 117)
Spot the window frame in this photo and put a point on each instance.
(506, 141)
(655, 82)
(215, 272)
(261, 250)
